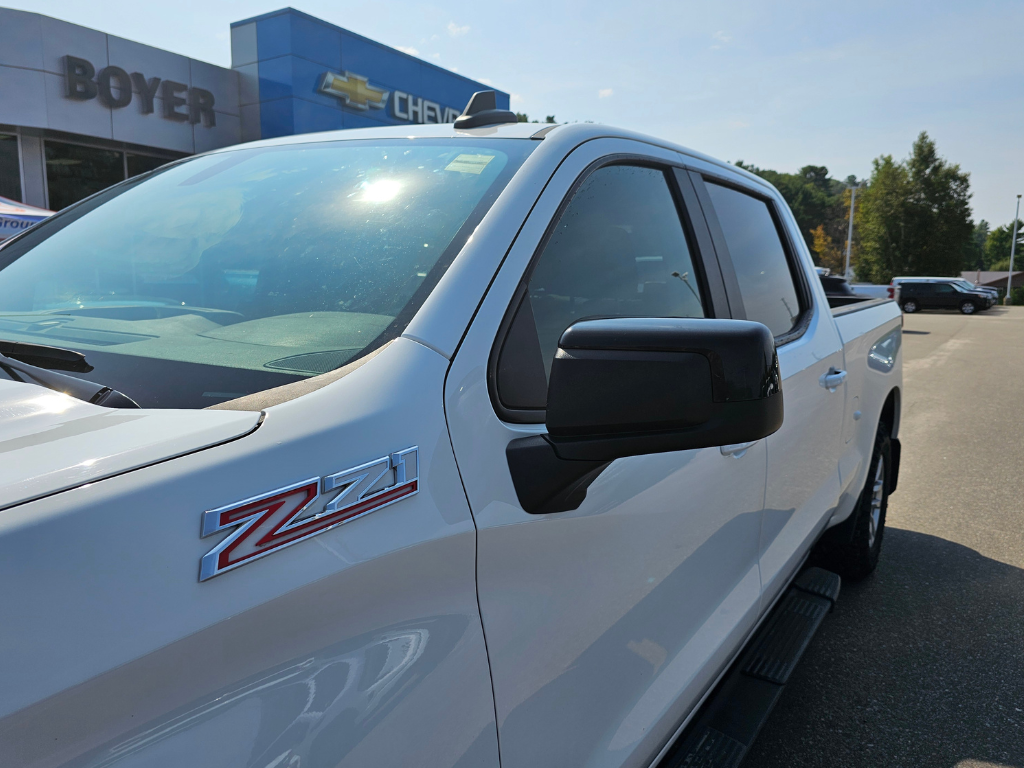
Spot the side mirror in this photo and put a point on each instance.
(633, 386)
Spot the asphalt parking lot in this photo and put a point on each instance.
(922, 664)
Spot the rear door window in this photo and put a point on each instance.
(763, 271)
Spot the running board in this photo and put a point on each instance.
(730, 720)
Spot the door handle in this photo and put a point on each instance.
(736, 450)
(832, 379)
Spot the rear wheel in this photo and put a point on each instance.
(967, 307)
(852, 548)
(909, 306)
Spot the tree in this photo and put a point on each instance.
(522, 117)
(997, 248)
(974, 256)
(828, 254)
(916, 216)
(815, 199)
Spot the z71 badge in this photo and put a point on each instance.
(286, 516)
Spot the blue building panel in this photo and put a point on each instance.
(277, 118)
(316, 40)
(317, 117)
(273, 36)
(381, 65)
(314, 76)
(362, 121)
(293, 76)
(276, 78)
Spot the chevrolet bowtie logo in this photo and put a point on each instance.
(354, 90)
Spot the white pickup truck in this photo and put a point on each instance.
(437, 446)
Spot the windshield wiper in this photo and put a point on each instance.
(45, 356)
(97, 394)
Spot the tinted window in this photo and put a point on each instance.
(10, 168)
(141, 163)
(74, 172)
(944, 288)
(762, 269)
(235, 272)
(618, 250)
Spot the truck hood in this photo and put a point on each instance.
(50, 442)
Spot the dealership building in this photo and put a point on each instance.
(81, 110)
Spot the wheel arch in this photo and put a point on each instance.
(890, 415)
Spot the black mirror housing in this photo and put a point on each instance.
(632, 386)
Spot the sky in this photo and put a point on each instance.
(778, 84)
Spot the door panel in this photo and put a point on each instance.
(946, 296)
(752, 233)
(803, 472)
(604, 624)
(925, 295)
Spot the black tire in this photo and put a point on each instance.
(852, 548)
(910, 306)
(968, 308)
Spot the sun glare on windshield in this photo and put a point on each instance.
(381, 191)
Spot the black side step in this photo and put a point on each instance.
(729, 722)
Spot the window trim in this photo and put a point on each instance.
(714, 295)
(803, 291)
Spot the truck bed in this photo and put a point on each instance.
(842, 305)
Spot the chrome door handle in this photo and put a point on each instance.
(832, 379)
(737, 450)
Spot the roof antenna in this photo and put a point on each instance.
(483, 110)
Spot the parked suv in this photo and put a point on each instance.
(928, 294)
(969, 286)
(965, 284)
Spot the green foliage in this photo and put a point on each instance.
(974, 254)
(997, 248)
(817, 201)
(522, 117)
(916, 216)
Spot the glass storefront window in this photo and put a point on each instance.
(10, 170)
(142, 163)
(74, 172)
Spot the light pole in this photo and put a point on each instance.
(849, 232)
(1013, 250)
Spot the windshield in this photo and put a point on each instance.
(235, 272)
(968, 286)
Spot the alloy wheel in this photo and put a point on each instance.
(877, 496)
